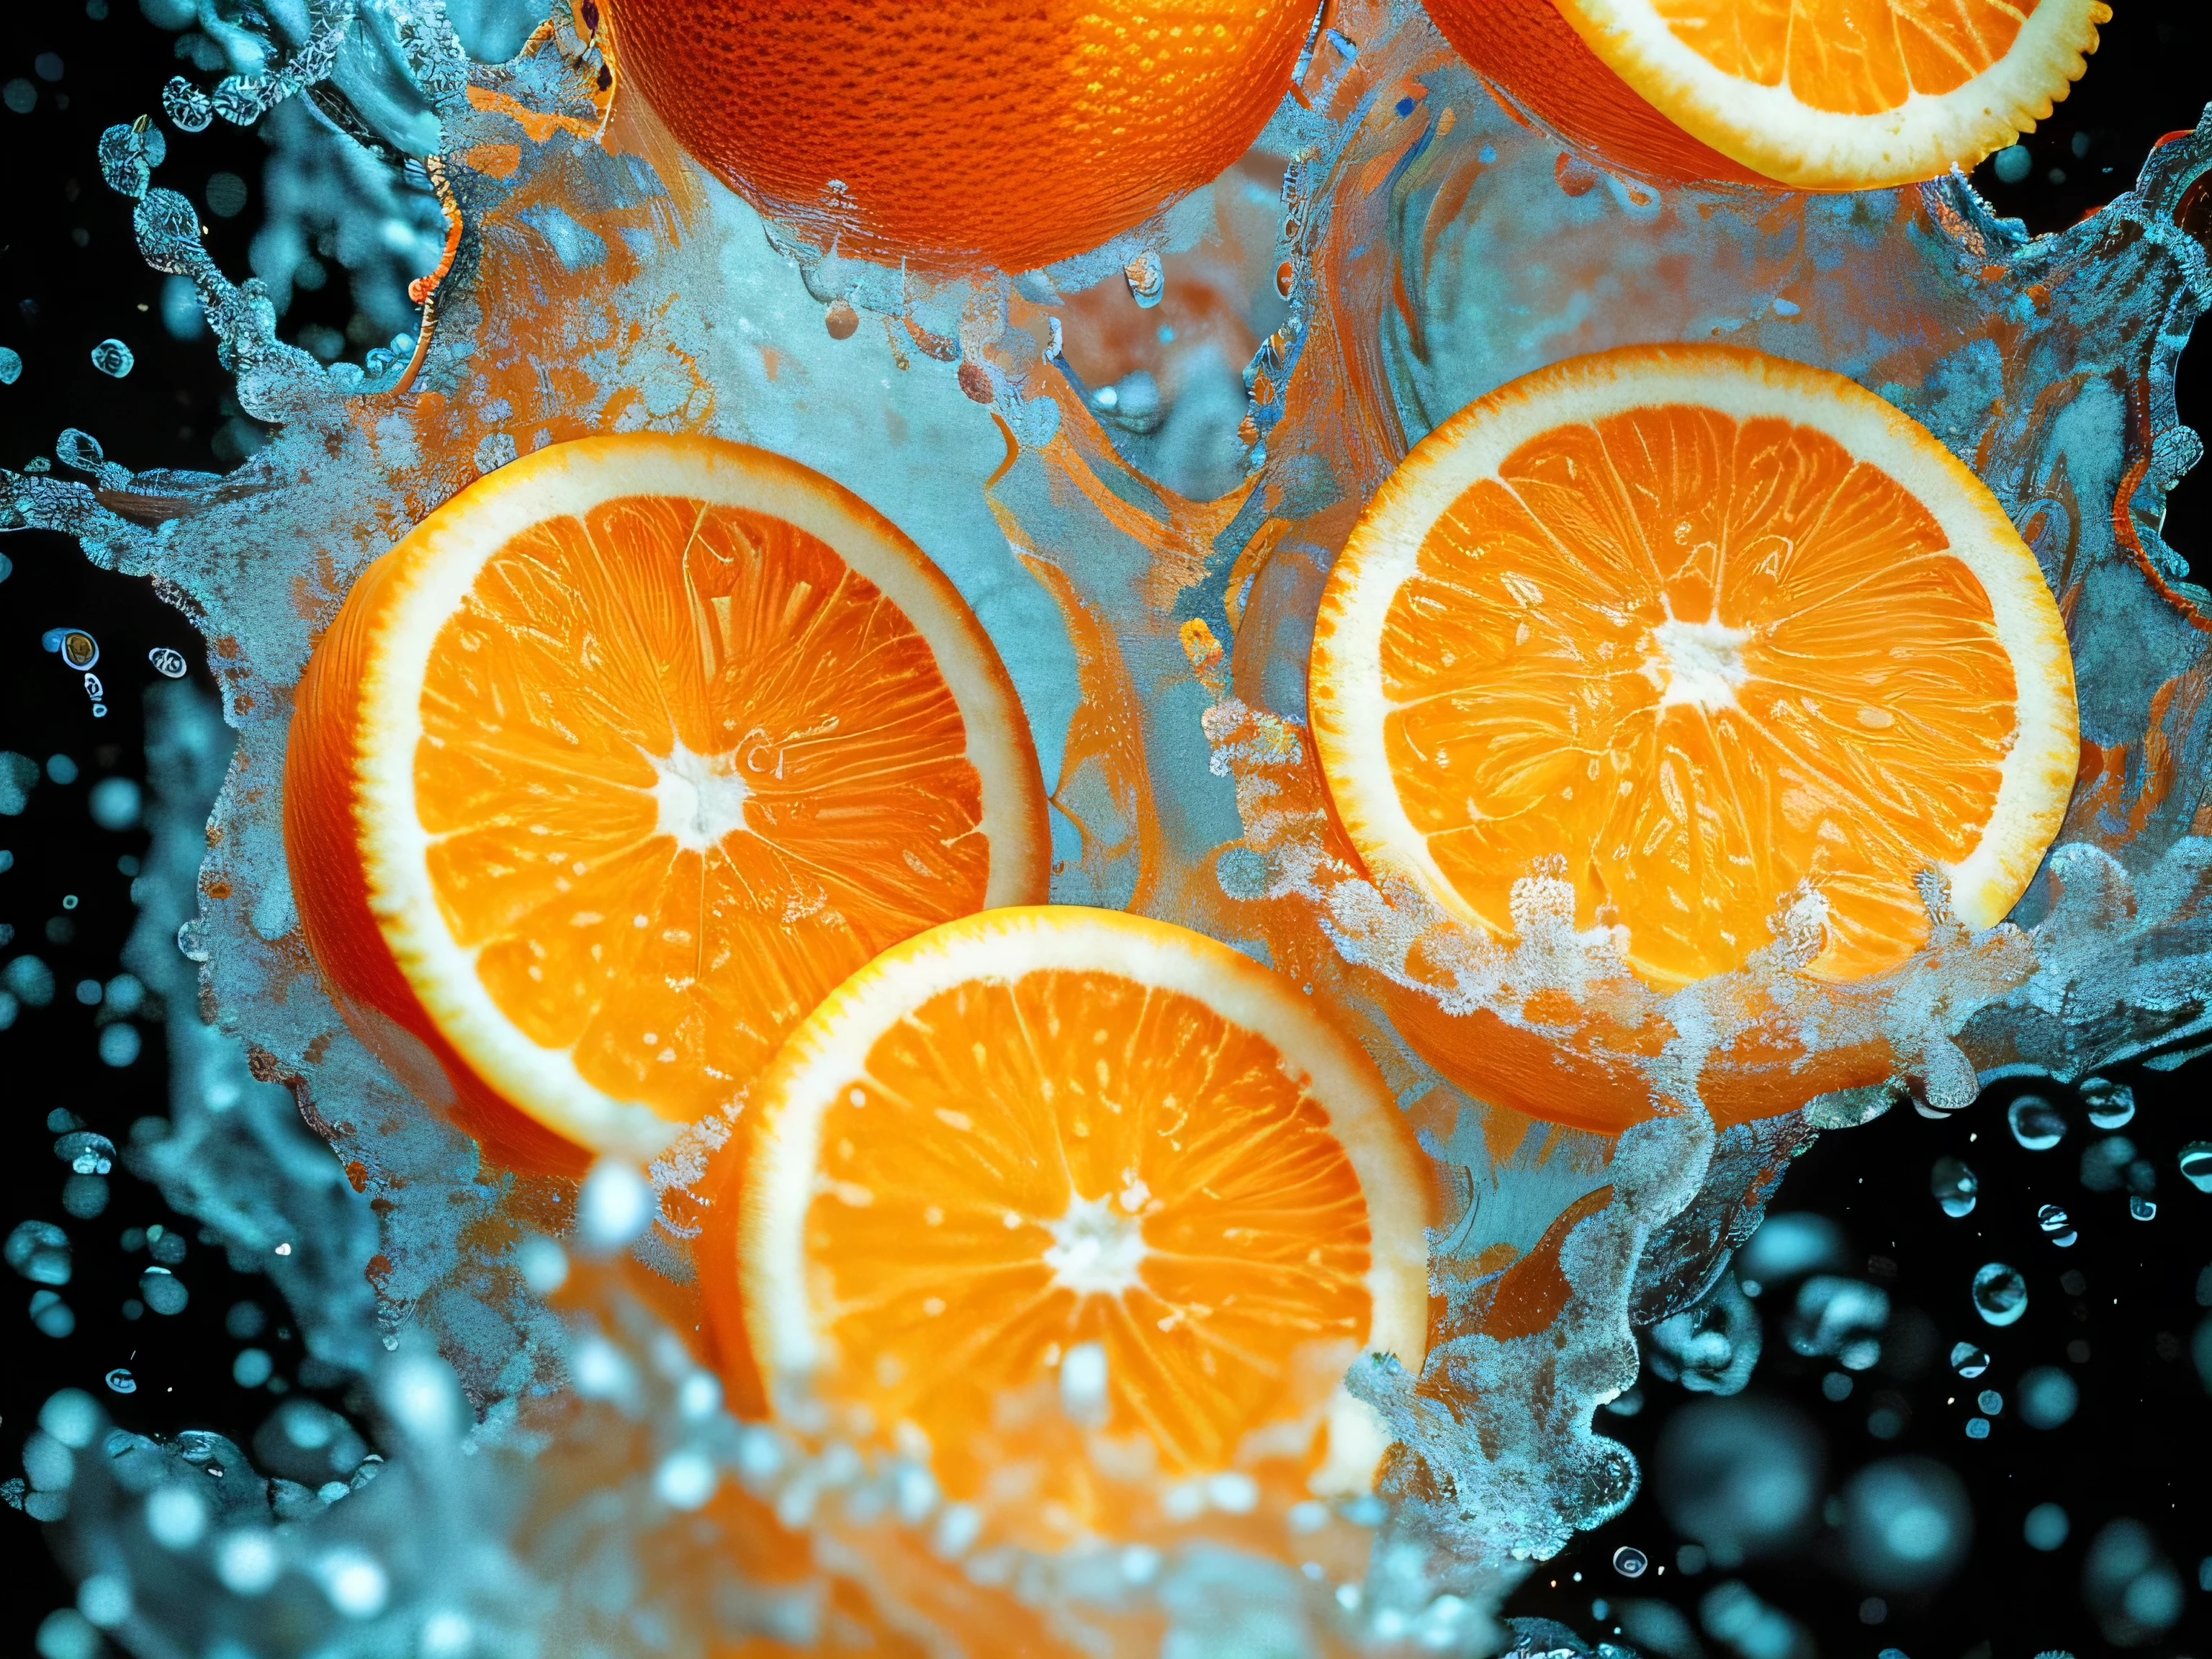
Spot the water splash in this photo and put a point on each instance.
(1148, 564)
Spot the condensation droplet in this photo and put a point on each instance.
(1630, 1562)
(2055, 1222)
(1968, 1360)
(112, 357)
(2141, 1208)
(169, 664)
(122, 1381)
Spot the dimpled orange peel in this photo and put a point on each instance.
(987, 131)
(1086, 1209)
(621, 759)
(1816, 95)
(1714, 635)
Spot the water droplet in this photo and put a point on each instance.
(1147, 278)
(11, 367)
(112, 357)
(2036, 1123)
(2111, 1104)
(187, 107)
(192, 941)
(1977, 1428)
(1991, 1402)
(2196, 1164)
(2000, 1293)
(2055, 1222)
(122, 1381)
(170, 664)
(841, 319)
(1630, 1562)
(2141, 1208)
(1953, 1185)
(1968, 1360)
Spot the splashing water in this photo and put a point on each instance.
(1147, 564)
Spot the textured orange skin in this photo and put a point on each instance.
(967, 131)
(1527, 48)
(330, 888)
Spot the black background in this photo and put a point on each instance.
(2141, 1445)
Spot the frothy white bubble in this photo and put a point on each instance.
(614, 1206)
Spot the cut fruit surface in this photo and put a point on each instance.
(1818, 94)
(622, 759)
(1713, 635)
(1084, 1205)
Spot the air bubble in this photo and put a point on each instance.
(1954, 1186)
(112, 357)
(1968, 1360)
(2000, 1293)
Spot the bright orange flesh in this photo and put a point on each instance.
(1855, 57)
(1014, 134)
(628, 755)
(587, 651)
(1000, 1109)
(1077, 1206)
(1710, 660)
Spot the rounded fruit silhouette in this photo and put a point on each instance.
(991, 132)
(1746, 92)
(618, 763)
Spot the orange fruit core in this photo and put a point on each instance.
(1850, 57)
(1068, 1158)
(682, 770)
(1709, 660)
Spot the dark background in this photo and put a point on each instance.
(2139, 1446)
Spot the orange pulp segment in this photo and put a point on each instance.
(1710, 634)
(631, 753)
(1071, 1200)
(1820, 95)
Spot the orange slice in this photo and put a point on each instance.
(1822, 94)
(1089, 1210)
(624, 758)
(1710, 634)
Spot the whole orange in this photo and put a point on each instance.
(1007, 132)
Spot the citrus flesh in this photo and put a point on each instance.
(1072, 1199)
(1008, 134)
(1714, 636)
(1818, 95)
(623, 759)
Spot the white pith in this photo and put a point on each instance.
(829, 1049)
(1698, 663)
(1345, 698)
(1769, 131)
(440, 561)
